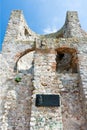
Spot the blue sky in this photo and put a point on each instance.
(42, 16)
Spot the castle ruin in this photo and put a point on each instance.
(34, 65)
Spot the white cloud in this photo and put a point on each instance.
(50, 30)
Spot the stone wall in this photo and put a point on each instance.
(44, 83)
(16, 105)
(83, 76)
(29, 65)
(71, 101)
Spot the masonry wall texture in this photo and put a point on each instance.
(33, 64)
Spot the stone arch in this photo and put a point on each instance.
(25, 57)
(66, 60)
(24, 87)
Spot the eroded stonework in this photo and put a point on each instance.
(33, 64)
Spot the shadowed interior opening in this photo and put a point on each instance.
(66, 61)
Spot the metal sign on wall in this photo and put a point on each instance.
(47, 100)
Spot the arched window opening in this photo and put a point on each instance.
(26, 63)
(66, 61)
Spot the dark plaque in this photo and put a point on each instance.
(47, 100)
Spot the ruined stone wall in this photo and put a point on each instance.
(29, 65)
(44, 83)
(16, 104)
(83, 74)
(71, 101)
(15, 97)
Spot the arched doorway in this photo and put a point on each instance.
(68, 77)
(24, 69)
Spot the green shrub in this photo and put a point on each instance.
(18, 79)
